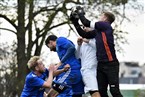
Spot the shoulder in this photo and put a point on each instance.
(103, 23)
(61, 39)
(31, 76)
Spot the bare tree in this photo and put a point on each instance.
(32, 20)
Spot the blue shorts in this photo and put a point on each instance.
(73, 79)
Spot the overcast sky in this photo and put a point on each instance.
(135, 51)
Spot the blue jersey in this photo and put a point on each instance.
(73, 76)
(33, 85)
(62, 46)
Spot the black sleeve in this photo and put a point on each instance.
(81, 32)
(84, 21)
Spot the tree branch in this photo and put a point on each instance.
(51, 18)
(66, 22)
(39, 11)
(8, 30)
(6, 18)
(52, 28)
(72, 1)
(42, 10)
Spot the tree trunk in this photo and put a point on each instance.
(21, 57)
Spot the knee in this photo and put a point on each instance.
(115, 92)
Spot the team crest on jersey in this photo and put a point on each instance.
(33, 75)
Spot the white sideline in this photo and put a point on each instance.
(132, 86)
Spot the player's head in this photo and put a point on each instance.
(108, 17)
(35, 64)
(51, 42)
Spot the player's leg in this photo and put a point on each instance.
(77, 83)
(94, 93)
(52, 93)
(90, 81)
(102, 80)
(113, 78)
(78, 89)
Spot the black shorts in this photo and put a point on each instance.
(59, 87)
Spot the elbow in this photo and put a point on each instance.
(72, 49)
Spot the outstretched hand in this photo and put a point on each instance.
(66, 67)
(80, 41)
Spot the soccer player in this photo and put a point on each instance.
(108, 65)
(86, 51)
(35, 83)
(66, 53)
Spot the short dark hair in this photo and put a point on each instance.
(110, 16)
(50, 37)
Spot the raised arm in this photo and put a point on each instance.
(81, 32)
(70, 51)
(84, 20)
(48, 82)
(80, 11)
(78, 47)
(65, 68)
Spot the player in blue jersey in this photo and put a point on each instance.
(35, 83)
(66, 53)
(108, 65)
